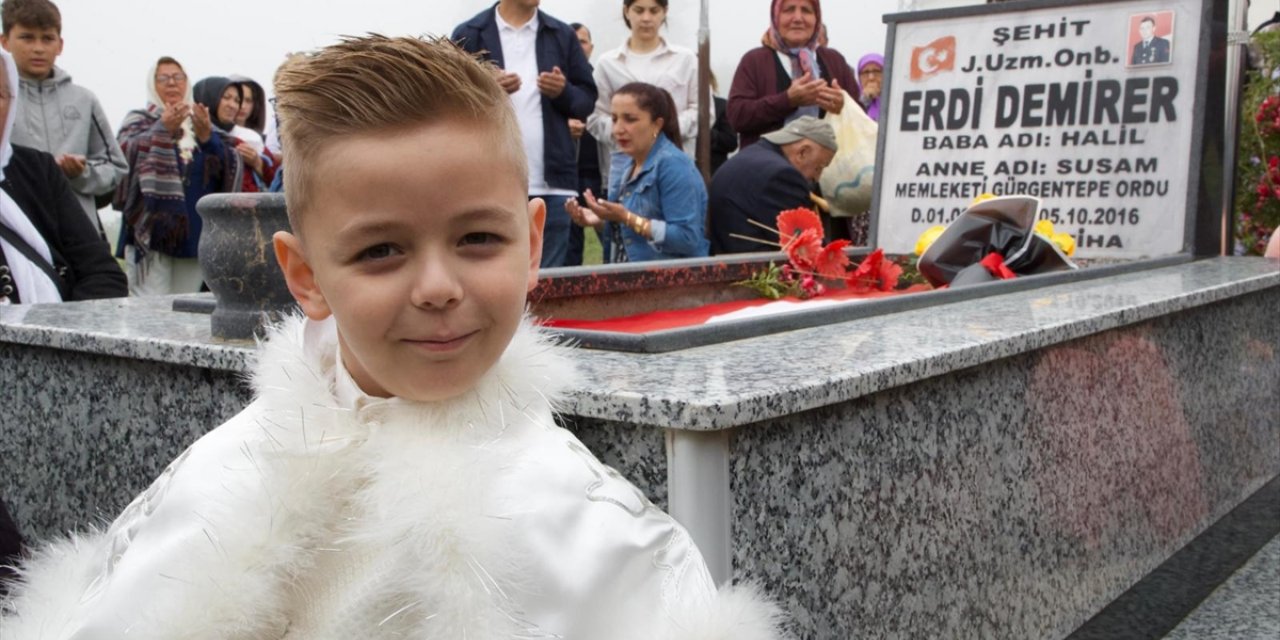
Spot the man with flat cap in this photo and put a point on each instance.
(773, 175)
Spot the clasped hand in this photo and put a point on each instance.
(550, 83)
(72, 164)
(175, 113)
(809, 90)
(250, 157)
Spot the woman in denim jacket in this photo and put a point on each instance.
(661, 200)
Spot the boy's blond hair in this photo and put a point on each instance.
(376, 84)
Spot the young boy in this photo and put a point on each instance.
(400, 474)
(57, 115)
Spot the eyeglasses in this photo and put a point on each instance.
(171, 78)
(871, 72)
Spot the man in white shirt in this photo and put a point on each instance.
(549, 79)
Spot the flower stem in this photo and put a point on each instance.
(742, 237)
(765, 227)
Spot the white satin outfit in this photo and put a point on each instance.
(320, 512)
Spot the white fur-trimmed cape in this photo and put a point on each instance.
(304, 517)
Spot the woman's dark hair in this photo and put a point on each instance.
(208, 92)
(658, 104)
(626, 4)
(257, 119)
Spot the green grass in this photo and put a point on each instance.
(592, 253)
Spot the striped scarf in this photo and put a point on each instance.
(155, 208)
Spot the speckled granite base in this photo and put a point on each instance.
(1016, 498)
(1159, 602)
(638, 453)
(84, 433)
(996, 468)
(1246, 607)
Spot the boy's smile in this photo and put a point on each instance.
(421, 244)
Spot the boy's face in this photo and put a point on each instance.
(34, 50)
(423, 246)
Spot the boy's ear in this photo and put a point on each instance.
(299, 276)
(4, 41)
(537, 216)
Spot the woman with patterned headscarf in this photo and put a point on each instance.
(176, 156)
(790, 76)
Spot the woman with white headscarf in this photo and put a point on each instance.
(175, 158)
(49, 250)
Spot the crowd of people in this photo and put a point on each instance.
(643, 200)
(400, 473)
(610, 145)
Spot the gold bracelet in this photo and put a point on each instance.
(636, 223)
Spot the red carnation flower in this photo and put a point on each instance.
(875, 273)
(803, 250)
(832, 261)
(794, 221)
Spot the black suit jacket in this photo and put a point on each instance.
(724, 140)
(1155, 53)
(757, 184)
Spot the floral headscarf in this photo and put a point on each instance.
(801, 57)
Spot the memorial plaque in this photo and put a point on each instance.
(1090, 106)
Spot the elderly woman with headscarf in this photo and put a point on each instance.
(790, 76)
(870, 81)
(49, 250)
(176, 156)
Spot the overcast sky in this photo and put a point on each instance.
(110, 44)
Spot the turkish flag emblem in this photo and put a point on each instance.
(933, 58)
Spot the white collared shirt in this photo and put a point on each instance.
(670, 67)
(520, 56)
